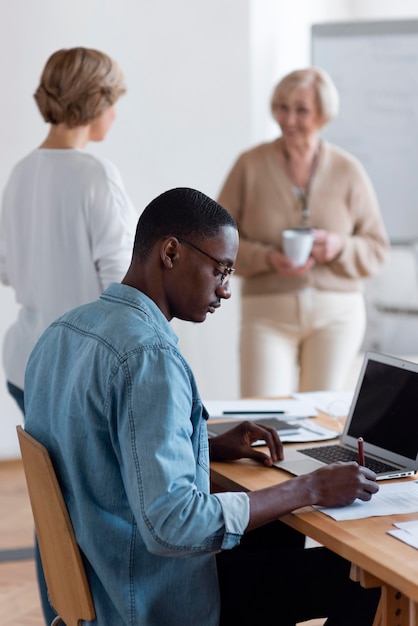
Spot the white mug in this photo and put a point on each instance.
(297, 244)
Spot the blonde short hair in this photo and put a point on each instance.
(326, 92)
(77, 85)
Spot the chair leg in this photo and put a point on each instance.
(57, 621)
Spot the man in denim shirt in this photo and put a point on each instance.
(110, 395)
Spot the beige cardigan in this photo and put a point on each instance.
(259, 195)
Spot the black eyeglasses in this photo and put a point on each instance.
(228, 271)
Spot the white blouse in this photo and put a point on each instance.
(66, 232)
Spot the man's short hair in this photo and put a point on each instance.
(77, 85)
(182, 212)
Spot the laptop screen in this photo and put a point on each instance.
(386, 410)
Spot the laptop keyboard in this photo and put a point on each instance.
(333, 453)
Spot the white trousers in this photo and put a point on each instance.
(303, 341)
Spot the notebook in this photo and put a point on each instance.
(384, 411)
(282, 427)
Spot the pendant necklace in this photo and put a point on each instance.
(303, 195)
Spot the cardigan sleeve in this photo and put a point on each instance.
(237, 196)
(366, 248)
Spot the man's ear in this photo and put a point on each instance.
(169, 251)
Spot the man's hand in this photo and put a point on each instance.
(340, 484)
(236, 444)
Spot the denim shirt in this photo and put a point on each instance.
(110, 395)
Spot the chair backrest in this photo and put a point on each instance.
(66, 579)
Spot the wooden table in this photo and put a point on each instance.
(377, 558)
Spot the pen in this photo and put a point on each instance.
(252, 412)
(360, 445)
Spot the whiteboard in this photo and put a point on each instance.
(375, 68)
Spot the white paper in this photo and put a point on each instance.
(391, 499)
(406, 532)
(404, 536)
(334, 403)
(411, 527)
(309, 430)
(292, 408)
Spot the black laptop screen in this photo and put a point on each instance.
(386, 411)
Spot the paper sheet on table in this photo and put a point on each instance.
(406, 532)
(239, 409)
(391, 499)
(309, 430)
(334, 403)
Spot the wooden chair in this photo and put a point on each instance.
(66, 579)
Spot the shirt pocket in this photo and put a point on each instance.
(203, 451)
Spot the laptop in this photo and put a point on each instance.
(384, 412)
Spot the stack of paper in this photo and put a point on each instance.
(406, 532)
(296, 412)
(308, 430)
(334, 403)
(391, 499)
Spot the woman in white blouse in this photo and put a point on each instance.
(67, 225)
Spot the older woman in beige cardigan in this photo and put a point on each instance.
(302, 326)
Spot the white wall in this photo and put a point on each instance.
(200, 76)
(384, 9)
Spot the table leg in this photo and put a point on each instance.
(413, 613)
(394, 609)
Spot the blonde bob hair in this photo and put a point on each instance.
(326, 92)
(77, 85)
